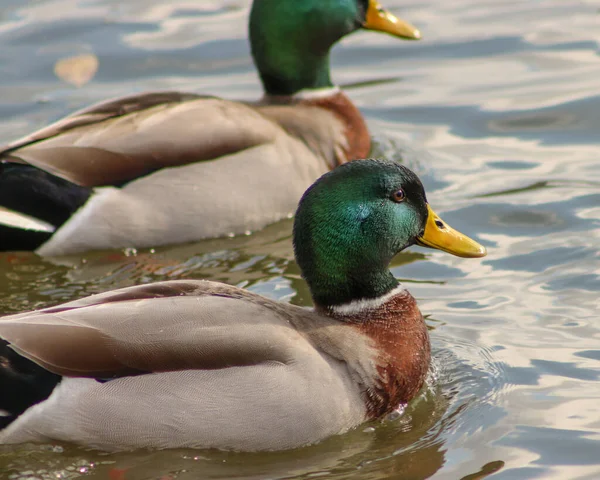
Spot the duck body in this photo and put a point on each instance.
(232, 369)
(236, 171)
(132, 171)
(202, 364)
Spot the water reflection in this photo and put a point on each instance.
(497, 109)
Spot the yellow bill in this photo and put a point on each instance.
(383, 21)
(438, 234)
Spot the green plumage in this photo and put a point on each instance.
(291, 40)
(348, 228)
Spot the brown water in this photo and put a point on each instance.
(497, 109)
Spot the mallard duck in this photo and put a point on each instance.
(142, 170)
(203, 364)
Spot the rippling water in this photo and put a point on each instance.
(497, 109)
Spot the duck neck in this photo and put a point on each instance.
(310, 75)
(291, 41)
(361, 306)
(340, 293)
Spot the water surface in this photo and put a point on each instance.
(497, 109)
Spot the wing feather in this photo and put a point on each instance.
(162, 327)
(116, 142)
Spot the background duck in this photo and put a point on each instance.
(203, 364)
(170, 167)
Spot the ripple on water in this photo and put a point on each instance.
(472, 381)
(497, 110)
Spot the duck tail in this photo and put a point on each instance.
(33, 204)
(23, 383)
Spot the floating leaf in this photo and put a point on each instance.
(77, 70)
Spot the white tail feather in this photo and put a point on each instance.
(14, 219)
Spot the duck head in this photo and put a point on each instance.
(291, 39)
(353, 220)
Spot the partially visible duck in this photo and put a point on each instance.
(169, 167)
(203, 364)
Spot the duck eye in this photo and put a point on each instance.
(398, 196)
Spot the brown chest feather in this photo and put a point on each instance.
(356, 131)
(400, 336)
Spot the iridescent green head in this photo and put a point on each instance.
(291, 39)
(353, 220)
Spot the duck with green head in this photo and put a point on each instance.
(206, 365)
(132, 171)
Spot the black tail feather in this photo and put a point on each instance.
(12, 239)
(39, 194)
(23, 383)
